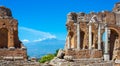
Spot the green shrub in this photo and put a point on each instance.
(47, 57)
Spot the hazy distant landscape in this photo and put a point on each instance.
(39, 43)
(38, 49)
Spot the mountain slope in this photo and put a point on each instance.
(40, 48)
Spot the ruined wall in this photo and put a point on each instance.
(9, 39)
(83, 54)
(13, 53)
(111, 18)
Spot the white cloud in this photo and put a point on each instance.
(39, 40)
(34, 35)
(25, 41)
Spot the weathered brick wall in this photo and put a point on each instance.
(79, 54)
(13, 53)
(20, 63)
(9, 35)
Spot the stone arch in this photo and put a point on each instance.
(114, 32)
(3, 38)
(112, 38)
(115, 29)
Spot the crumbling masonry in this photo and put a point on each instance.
(86, 32)
(11, 48)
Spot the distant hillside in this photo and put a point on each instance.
(40, 48)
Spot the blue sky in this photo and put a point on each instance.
(43, 19)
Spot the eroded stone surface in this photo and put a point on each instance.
(10, 45)
(109, 20)
(105, 17)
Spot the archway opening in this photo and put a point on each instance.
(71, 39)
(92, 38)
(82, 33)
(112, 38)
(3, 38)
(111, 41)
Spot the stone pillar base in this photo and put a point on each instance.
(11, 48)
(106, 57)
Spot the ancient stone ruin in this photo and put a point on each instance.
(86, 32)
(92, 39)
(11, 48)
